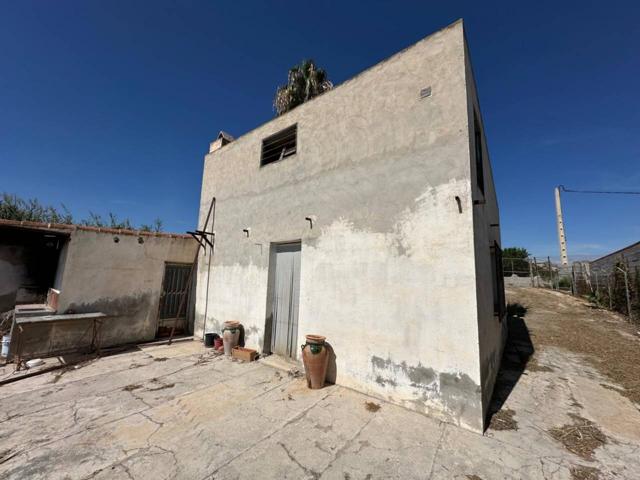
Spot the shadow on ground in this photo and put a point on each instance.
(517, 352)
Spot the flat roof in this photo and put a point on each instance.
(64, 228)
(616, 252)
(351, 79)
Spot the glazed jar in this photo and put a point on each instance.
(315, 358)
(230, 336)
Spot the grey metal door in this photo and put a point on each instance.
(286, 294)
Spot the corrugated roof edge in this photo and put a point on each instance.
(63, 227)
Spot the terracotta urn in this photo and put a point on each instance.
(315, 358)
(230, 336)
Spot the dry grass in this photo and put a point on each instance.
(160, 385)
(503, 420)
(372, 407)
(580, 472)
(534, 366)
(582, 438)
(609, 343)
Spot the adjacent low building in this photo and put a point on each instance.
(368, 215)
(135, 278)
(628, 256)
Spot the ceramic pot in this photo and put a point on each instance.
(230, 336)
(315, 358)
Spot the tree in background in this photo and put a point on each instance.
(515, 261)
(13, 207)
(156, 226)
(305, 81)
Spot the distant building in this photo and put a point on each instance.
(368, 215)
(629, 255)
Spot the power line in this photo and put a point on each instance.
(562, 187)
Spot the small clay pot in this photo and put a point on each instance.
(315, 358)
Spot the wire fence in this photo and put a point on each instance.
(615, 287)
(534, 272)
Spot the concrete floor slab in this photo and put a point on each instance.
(180, 411)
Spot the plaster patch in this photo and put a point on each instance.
(455, 395)
(131, 318)
(388, 372)
(434, 219)
(385, 381)
(461, 396)
(236, 292)
(420, 376)
(116, 306)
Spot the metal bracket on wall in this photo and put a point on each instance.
(202, 238)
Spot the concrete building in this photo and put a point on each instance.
(133, 277)
(368, 215)
(629, 255)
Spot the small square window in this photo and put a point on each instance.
(279, 145)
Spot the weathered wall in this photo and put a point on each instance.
(629, 255)
(387, 271)
(13, 273)
(486, 226)
(122, 279)
(516, 281)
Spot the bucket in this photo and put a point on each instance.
(6, 341)
(209, 338)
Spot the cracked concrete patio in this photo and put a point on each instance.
(178, 411)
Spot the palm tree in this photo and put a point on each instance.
(305, 81)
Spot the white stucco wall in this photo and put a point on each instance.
(123, 280)
(388, 270)
(492, 329)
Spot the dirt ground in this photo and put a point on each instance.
(560, 412)
(608, 341)
(546, 326)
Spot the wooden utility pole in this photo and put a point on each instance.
(564, 259)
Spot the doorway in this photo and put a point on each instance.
(174, 284)
(285, 299)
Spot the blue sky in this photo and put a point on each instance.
(110, 106)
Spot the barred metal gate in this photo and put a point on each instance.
(174, 283)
